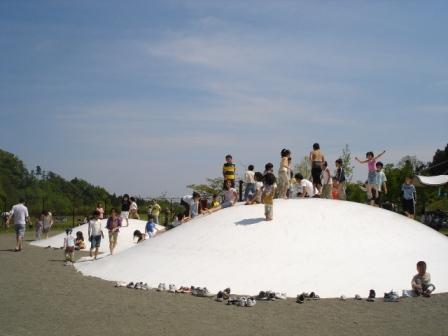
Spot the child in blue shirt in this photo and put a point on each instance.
(150, 228)
(409, 195)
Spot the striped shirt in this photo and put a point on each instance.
(228, 170)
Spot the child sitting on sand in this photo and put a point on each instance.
(421, 282)
(79, 241)
(69, 247)
(268, 193)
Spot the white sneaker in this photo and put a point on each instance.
(250, 302)
(172, 288)
(161, 287)
(242, 302)
(281, 296)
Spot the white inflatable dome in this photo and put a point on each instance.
(329, 247)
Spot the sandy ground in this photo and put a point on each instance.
(39, 296)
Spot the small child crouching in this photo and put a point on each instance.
(421, 282)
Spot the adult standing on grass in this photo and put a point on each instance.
(19, 215)
(113, 226)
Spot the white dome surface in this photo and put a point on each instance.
(126, 240)
(329, 247)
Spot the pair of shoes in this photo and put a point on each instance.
(313, 296)
(269, 295)
(172, 288)
(281, 296)
(426, 294)
(358, 297)
(242, 302)
(250, 302)
(391, 297)
(161, 287)
(130, 285)
(372, 296)
(184, 289)
(300, 298)
(202, 292)
(233, 300)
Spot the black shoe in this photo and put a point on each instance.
(372, 296)
(300, 298)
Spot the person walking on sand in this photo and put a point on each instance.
(113, 226)
(317, 159)
(95, 233)
(19, 216)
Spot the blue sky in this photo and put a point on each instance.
(146, 97)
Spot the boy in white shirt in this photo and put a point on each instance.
(95, 233)
(249, 180)
(308, 189)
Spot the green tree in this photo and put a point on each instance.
(346, 158)
(213, 187)
(304, 167)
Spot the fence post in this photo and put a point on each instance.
(241, 191)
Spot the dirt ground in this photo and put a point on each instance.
(40, 296)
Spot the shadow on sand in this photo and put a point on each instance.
(250, 221)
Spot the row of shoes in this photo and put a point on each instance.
(196, 291)
(306, 296)
(388, 297)
(133, 285)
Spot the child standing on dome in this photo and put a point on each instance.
(283, 173)
(372, 175)
(267, 196)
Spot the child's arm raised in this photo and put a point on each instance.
(364, 161)
(379, 155)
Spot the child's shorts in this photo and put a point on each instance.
(113, 237)
(226, 204)
(409, 206)
(268, 210)
(371, 178)
(95, 241)
(20, 230)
